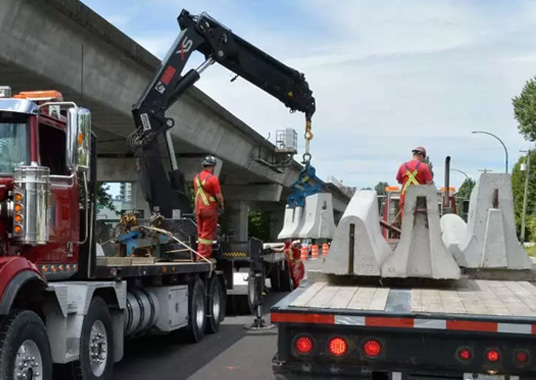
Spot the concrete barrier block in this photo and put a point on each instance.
(318, 221)
(292, 223)
(491, 240)
(370, 248)
(453, 230)
(420, 251)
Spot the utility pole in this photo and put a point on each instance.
(525, 196)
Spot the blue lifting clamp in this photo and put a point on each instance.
(303, 187)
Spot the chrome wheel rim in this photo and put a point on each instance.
(98, 348)
(28, 362)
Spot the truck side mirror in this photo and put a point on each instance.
(78, 138)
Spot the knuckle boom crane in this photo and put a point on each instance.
(167, 192)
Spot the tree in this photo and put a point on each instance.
(525, 110)
(104, 198)
(518, 189)
(366, 188)
(380, 188)
(464, 194)
(427, 161)
(259, 225)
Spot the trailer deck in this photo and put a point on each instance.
(468, 305)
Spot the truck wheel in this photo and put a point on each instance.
(24, 347)
(215, 305)
(96, 344)
(285, 282)
(197, 316)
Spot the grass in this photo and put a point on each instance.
(531, 251)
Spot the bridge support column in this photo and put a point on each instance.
(239, 218)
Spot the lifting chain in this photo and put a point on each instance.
(308, 137)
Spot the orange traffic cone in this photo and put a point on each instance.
(325, 249)
(315, 252)
(304, 253)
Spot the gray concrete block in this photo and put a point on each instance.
(491, 240)
(317, 217)
(291, 223)
(420, 251)
(453, 230)
(370, 248)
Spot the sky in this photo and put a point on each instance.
(387, 75)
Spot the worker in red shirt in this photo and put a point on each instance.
(414, 172)
(208, 204)
(295, 265)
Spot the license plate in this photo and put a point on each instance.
(471, 376)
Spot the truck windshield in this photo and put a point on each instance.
(13, 146)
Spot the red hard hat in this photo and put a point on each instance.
(419, 149)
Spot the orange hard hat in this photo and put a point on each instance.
(419, 149)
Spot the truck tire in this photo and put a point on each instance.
(197, 316)
(215, 305)
(24, 347)
(285, 282)
(96, 345)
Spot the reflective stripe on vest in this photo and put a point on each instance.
(412, 177)
(200, 192)
(205, 241)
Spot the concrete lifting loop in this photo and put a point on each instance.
(358, 246)
(314, 221)
(420, 251)
(490, 240)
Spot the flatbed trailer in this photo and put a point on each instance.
(464, 329)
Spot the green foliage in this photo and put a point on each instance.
(427, 161)
(525, 110)
(518, 188)
(104, 198)
(464, 193)
(259, 225)
(380, 188)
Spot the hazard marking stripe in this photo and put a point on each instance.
(393, 322)
(472, 326)
(303, 318)
(349, 320)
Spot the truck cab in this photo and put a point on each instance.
(44, 177)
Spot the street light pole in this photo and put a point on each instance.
(525, 196)
(504, 146)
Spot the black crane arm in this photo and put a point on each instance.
(218, 44)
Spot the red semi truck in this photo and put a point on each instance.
(59, 302)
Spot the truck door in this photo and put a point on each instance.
(64, 210)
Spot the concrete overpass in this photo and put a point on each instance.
(64, 45)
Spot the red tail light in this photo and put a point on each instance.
(522, 356)
(338, 346)
(465, 354)
(493, 356)
(304, 345)
(372, 348)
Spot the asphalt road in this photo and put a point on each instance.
(234, 353)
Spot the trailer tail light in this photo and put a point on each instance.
(304, 345)
(465, 354)
(372, 348)
(338, 346)
(522, 356)
(493, 356)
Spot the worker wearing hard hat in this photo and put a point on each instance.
(414, 172)
(208, 204)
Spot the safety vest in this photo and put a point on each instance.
(412, 177)
(201, 192)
